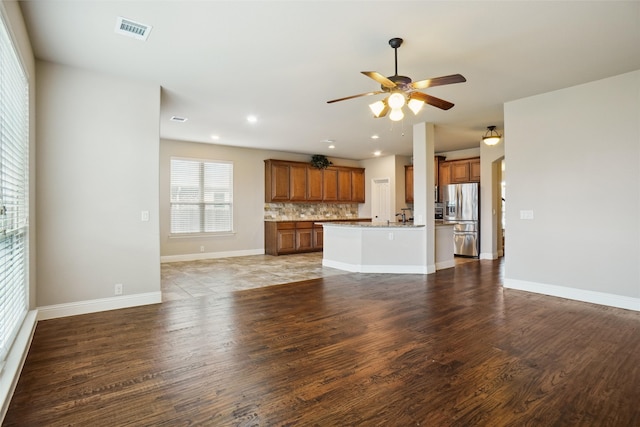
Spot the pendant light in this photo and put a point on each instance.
(491, 137)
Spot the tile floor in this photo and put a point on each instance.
(219, 277)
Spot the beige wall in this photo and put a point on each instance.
(573, 158)
(248, 209)
(97, 169)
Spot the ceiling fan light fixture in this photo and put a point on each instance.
(396, 114)
(396, 101)
(378, 108)
(415, 105)
(491, 137)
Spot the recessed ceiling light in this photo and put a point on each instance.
(332, 146)
(252, 119)
(178, 119)
(215, 137)
(376, 153)
(374, 137)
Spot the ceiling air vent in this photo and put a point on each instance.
(133, 29)
(178, 119)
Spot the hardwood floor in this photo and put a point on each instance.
(448, 349)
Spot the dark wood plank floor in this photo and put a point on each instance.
(449, 349)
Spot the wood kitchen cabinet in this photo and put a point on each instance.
(330, 185)
(290, 237)
(474, 170)
(344, 185)
(459, 170)
(287, 181)
(408, 178)
(465, 170)
(304, 236)
(297, 183)
(357, 185)
(408, 183)
(276, 183)
(314, 184)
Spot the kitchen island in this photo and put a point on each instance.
(375, 247)
(379, 247)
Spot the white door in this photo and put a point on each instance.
(380, 200)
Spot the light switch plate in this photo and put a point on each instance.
(144, 216)
(526, 214)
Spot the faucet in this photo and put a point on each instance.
(403, 216)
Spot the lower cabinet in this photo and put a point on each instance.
(290, 237)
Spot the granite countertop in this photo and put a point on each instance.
(440, 223)
(316, 219)
(373, 224)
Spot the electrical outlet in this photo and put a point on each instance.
(118, 289)
(390, 236)
(201, 248)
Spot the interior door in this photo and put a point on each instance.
(380, 199)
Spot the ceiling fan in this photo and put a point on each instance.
(402, 89)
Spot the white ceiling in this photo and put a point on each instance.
(219, 61)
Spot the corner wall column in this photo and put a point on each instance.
(423, 188)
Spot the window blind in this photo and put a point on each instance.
(201, 196)
(14, 185)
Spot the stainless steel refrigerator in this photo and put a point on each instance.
(461, 205)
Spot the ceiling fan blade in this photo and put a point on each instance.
(355, 96)
(380, 79)
(438, 81)
(432, 100)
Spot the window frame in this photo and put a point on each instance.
(14, 191)
(202, 203)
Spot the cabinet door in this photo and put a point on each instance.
(304, 236)
(474, 170)
(459, 171)
(344, 185)
(318, 236)
(330, 185)
(314, 184)
(357, 185)
(279, 182)
(297, 183)
(286, 240)
(408, 183)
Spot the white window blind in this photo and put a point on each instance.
(201, 196)
(14, 185)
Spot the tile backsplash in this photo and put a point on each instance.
(311, 211)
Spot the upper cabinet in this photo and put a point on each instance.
(408, 183)
(465, 170)
(445, 173)
(300, 182)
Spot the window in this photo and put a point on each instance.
(14, 185)
(201, 196)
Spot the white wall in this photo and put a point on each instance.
(248, 210)
(97, 169)
(573, 158)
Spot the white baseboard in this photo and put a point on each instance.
(583, 295)
(445, 264)
(15, 361)
(390, 269)
(485, 255)
(96, 305)
(210, 255)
